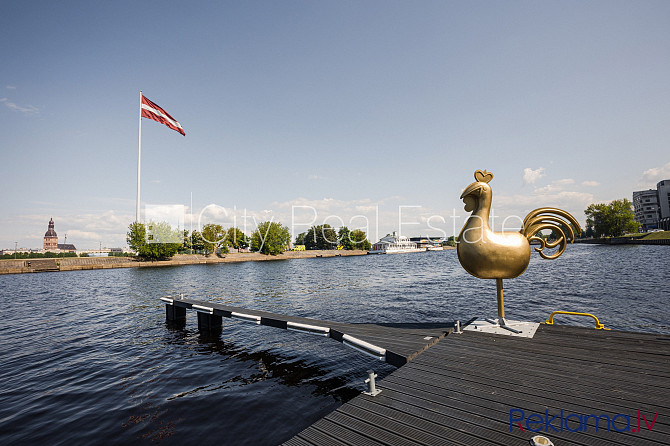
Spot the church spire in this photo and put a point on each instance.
(50, 237)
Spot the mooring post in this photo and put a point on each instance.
(372, 389)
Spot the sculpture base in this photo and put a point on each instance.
(502, 326)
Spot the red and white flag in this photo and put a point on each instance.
(153, 111)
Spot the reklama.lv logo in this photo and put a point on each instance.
(573, 422)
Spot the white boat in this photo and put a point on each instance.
(394, 244)
(428, 244)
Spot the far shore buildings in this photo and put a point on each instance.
(51, 241)
(652, 207)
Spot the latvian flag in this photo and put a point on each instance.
(153, 111)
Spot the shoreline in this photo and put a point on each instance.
(622, 241)
(21, 266)
(24, 266)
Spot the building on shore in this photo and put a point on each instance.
(428, 243)
(50, 238)
(645, 203)
(663, 188)
(394, 243)
(51, 241)
(652, 207)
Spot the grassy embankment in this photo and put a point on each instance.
(664, 235)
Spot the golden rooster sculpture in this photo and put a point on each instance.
(504, 255)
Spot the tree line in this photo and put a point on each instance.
(157, 240)
(325, 237)
(38, 255)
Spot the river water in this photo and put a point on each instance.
(87, 357)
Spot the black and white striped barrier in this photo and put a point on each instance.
(246, 317)
(310, 329)
(364, 347)
(210, 319)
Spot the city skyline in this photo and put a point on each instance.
(348, 109)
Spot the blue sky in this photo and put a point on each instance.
(350, 108)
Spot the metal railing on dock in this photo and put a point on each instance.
(394, 345)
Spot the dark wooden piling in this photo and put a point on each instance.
(174, 313)
(209, 322)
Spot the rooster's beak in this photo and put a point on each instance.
(471, 189)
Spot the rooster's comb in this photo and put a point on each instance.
(483, 176)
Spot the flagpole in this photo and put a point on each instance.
(139, 152)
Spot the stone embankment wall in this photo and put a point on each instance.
(622, 241)
(84, 263)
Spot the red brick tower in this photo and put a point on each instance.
(50, 238)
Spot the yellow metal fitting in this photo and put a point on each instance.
(599, 326)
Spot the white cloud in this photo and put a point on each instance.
(652, 176)
(530, 176)
(555, 186)
(10, 87)
(570, 201)
(76, 234)
(315, 177)
(564, 182)
(170, 213)
(26, 110)
(590, 183)
(549, 188)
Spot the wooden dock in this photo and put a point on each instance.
(576, 386)
(466, 389)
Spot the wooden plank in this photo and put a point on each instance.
(579, 350)
(438, 423)
(590, 390)
(528, 396)
(522, 353)
(592, 374)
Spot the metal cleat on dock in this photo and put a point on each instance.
(372, 389)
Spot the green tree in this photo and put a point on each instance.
(597, 216)
(270, 238)
(300, 238)
(154, 241)
(344, 236)
(214, 238)
(359, 240)
(197, 243)
(611, 220)
(623, 217)
(237, 239)
(136, 236)
(589, 233)
(321, 237)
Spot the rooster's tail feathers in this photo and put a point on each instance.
(549, 218)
